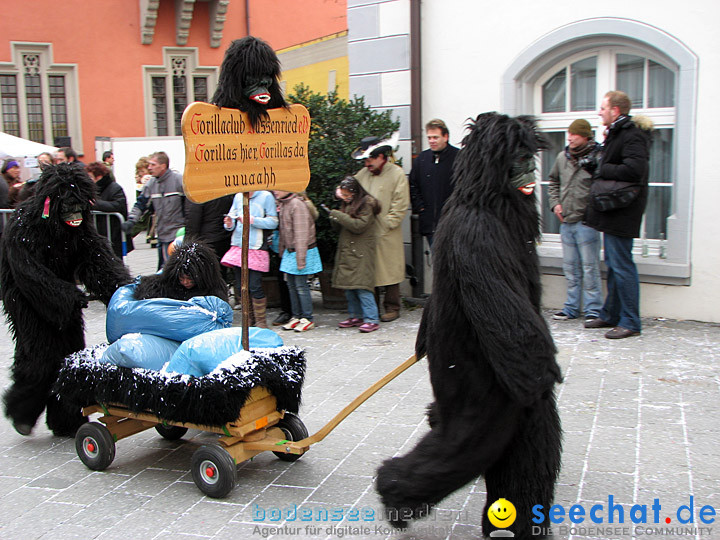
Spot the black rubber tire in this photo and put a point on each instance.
(214, 471)
(95, 446)
(171, 433)
(294, 430)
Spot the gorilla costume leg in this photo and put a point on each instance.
(35, 368)
(528, 468)
(461, 446)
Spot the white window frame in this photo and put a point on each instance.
(662, 117)
(578, 40)
(192, 69)
(47, 68)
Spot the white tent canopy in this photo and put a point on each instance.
(11, 146)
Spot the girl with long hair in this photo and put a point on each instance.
(355, 257)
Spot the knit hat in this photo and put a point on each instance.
(581, 127)
(9, 164)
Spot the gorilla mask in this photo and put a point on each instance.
(64, 192)
(522, 175)
(249, 79)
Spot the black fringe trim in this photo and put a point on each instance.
(213, 400)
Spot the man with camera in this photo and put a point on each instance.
(617, 202)
(569, 193)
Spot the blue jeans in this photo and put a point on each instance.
(581, 265)
(361, 305)
(622, 304)
(300, 299)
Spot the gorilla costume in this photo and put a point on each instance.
(249, 79)
(194, 260)
(491, 356)
(49, 244)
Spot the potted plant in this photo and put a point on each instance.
(336, 129)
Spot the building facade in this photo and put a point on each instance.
(128, 68)
(556, 60)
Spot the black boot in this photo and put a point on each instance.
(282, 318)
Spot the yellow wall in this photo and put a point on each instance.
(316, 76)
(312, 62)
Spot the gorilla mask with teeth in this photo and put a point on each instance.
(249, 79)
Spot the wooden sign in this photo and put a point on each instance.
(224, 154)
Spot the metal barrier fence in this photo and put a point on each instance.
(6, 212)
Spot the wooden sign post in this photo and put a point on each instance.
(225, 155)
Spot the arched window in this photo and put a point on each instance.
(574, 89)
(564, 75)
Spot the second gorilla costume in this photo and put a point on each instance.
(491, 356)
(49, 245)
(195, 264)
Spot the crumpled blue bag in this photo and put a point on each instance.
(177, 320)
(140, 351)
(201, 354)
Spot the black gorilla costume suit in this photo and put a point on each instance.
(491, 357)
(193, 259)
(50, 244)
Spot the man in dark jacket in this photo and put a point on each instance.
(109, 198)
(205, 222)
(624, 159)
(431, 178)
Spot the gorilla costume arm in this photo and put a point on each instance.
(100, 270)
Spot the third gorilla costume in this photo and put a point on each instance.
(49, 245)
(491, 357)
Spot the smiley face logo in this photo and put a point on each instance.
(502, 513)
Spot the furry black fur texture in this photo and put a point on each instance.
(193, 259)
(42, 260)
(247, 61)
(491, 356)
(212, 400)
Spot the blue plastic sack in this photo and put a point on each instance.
(200, 355)
(163, 317)
(140, 351)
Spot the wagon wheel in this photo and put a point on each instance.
(95, 446)
(213, 471)
(171, 433)
(294, 430)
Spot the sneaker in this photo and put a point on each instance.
(560, 316)
(292, 323)
(303, 325)
(350, 323)
(369, 327)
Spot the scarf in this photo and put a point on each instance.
(573, 154)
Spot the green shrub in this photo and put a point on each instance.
(336, 128)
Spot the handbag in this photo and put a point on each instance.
(610, 195)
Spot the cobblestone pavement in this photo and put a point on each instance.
(641, 419)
